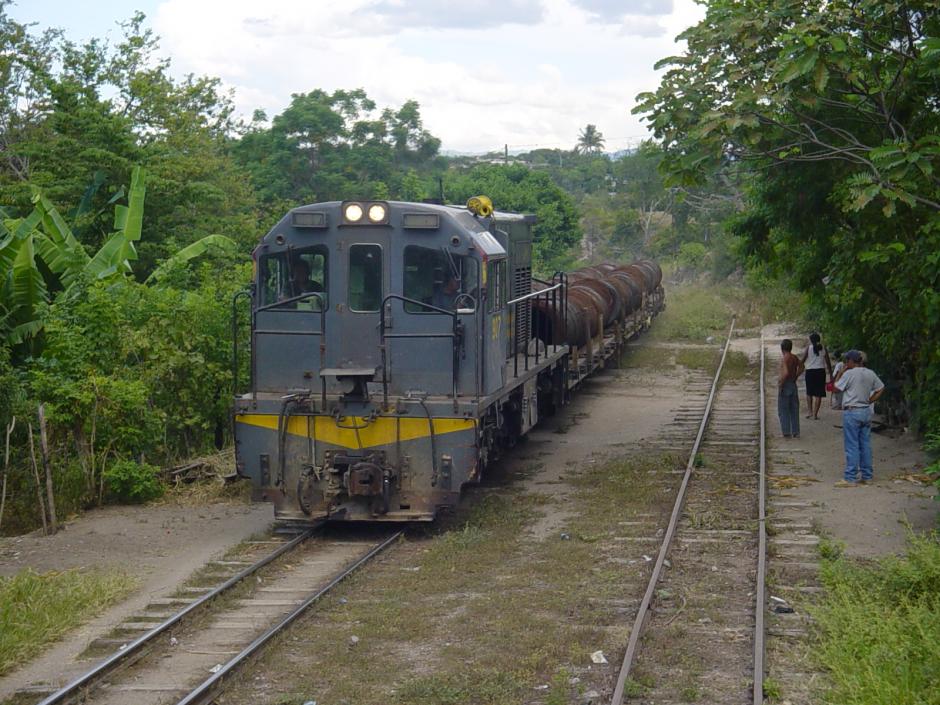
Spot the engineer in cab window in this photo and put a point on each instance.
(302, 283)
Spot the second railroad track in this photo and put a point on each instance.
(698, 632)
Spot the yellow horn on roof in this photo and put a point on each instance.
(480, 205)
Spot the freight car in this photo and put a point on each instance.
(396, 348)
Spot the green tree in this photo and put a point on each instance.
(23, 284)
(590, 140)
(518, 189)
(638, 178)
(74, 120)
(832, 110)
(332, 146)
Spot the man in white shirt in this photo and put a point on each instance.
(860, 389)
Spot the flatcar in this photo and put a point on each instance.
(396, 348)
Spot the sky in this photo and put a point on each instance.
(489, 73)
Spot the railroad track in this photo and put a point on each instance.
(187, 656)
(698, 634)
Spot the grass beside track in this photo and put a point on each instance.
(38, 608)
(696, 311)
(880, 627)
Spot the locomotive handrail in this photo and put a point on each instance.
(455, 335)
(321, 333)
(238, 294)
(534, 294)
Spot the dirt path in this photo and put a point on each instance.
(870, 520)
(161, 545)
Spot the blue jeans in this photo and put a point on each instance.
(856, 431)
(788, 408)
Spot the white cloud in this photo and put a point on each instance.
(535, 81)
(612, 9)
(482, 14)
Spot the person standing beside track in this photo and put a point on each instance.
(788, 396)
(817, 364)
(861, 388)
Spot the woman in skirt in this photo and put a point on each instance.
(817, 362)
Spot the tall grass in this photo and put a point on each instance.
(697, 310)
(36, 609)
(880, 628)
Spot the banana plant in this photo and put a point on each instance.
(44, 236)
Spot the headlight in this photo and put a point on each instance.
(353, 213)
(377, 213)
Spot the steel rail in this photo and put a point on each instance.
(762, 545)
(208, 688)
(643, 611)
(135, 648)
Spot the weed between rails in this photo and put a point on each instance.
(36, 609)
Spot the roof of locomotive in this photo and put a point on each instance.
(457, 215)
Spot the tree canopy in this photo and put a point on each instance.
(832, 110)
(522, 190)
(328, 146)
(76, 119)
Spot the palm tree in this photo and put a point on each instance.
(590, 141)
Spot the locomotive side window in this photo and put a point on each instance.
(495, 274)
(433, 277)
(271, 277)
(365, 278)
(283, 276)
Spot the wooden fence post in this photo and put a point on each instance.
(32, 457)
(44, 447)
(6, 469)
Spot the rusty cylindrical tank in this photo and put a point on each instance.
(600, 294)
(583, 315)
(634, 290)
(624, 292)
(609, 298)
(657, 271)
(643, 277)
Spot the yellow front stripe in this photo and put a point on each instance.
(381, 431)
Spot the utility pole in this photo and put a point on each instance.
(506, 148)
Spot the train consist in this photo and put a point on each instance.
(396, 348)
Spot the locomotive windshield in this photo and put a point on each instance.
(434, 276)
(285, 275)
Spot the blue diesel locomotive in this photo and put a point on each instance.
(395, 348)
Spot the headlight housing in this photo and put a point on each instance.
(365, 213)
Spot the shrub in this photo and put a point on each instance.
(880, 626)
(133, 482)
(692, 255)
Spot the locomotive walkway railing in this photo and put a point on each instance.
(456, 335)
(554, 294)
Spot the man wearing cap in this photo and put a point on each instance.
(860, 389)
